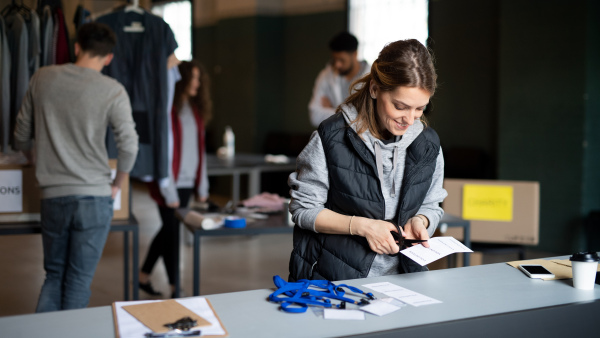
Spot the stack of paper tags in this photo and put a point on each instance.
(400, 297)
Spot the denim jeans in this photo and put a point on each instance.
(74, 231)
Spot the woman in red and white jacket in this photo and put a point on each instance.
(192, 108)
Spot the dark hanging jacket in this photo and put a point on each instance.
(355, 190)
(140, 64)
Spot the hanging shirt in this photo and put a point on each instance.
(62, 52)
(140, 64)
(17, 37)
(82, 16)
(5, 126)
(35, 49)
(47, 32)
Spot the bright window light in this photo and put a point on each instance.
(179, 16)
(376, 23)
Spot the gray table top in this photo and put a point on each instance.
(245, 161)
(471, 292)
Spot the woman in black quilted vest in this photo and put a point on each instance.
(372, 169)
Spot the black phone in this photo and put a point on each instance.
(535, 271)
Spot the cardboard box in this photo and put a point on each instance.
(19, 188)
(523, 228)
(24, 190)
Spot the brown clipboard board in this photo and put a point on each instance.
(114, 308)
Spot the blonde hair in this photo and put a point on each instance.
(405, 63)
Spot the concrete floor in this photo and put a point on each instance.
(228, 264)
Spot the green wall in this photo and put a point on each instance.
(520, 79)
(263, 69)
(306, 53)
(591, 163)
(463, 38)
(548, 66)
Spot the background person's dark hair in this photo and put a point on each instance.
(202, 100)
(96, 39)
(343, 42)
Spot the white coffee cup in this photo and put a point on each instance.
(584, 265)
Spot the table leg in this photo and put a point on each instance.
(236, 188)
(177, 269)
(136, 262)
(467, 234)
(126, 264)
(196, 263)
(254, 183)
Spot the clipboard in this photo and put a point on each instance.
(139, 306)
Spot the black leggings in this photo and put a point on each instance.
(166, 241)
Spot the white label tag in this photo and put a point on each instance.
(117, 203)
(404, 295)
(11, 191)
(380, 308)
(136, 27)
(344, 314)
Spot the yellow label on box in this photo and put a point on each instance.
(488, 202)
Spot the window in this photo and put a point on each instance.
(178, 15)
(376, 23)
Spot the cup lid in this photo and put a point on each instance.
(585, 257)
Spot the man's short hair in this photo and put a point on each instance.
(343, 42)
(96, 39)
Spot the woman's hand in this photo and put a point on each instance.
(377, 234)
(173, 205)
(415, 228)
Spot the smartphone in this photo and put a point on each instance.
(535, 271)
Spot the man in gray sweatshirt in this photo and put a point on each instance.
(71, 106)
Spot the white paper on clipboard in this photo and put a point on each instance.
(129, 327)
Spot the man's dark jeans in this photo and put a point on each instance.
(74, 231)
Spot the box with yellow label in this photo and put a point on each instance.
(503, 212)
(20, 193)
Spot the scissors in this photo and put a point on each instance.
(403, 242)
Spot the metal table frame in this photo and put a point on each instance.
(273, 225)
(245, 164)
(453, 221)
(125, 226)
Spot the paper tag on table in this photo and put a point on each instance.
(344, 314)
(380, 307)
(439, 247)
(404, 295)
(117, 203)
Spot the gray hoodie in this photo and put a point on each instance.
(312, 181)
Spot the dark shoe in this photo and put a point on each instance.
(147, 287)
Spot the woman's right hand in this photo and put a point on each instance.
(173, 205)
(377, 234)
